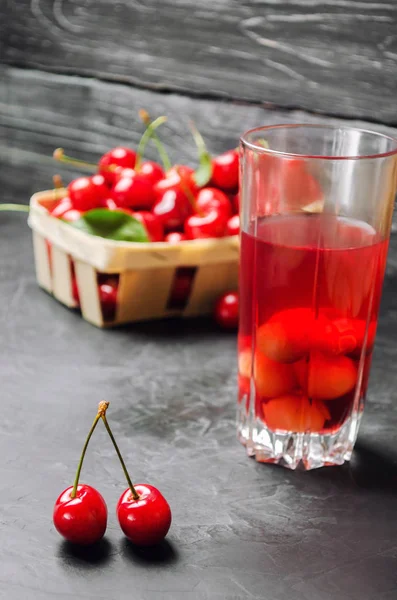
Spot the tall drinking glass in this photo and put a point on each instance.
(316, 211)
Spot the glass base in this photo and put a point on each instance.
(302, 450)
(243, 433)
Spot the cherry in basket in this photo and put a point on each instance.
(119, 157)
(225, 170)
(213, 210)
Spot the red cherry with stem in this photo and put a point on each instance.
(211, 198)
(117, 157)
(172, 208)
(213, 208)
(143, 512)
(179, 178)
(225, 170)
(226, 311)
(145, 521)
(81, 519)
(61, 207)
(174, 237)
(108, 299)
(152, 171)
(152, 224)
(133, 188)
(80, 512)
(233, 225)
(83, 193)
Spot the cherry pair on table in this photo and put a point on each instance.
(80, 512)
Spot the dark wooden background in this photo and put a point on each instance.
(75, 72)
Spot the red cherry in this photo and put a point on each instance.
(83, 519)
(102, 189)
(144, 521)
(210, 198)
(133, 190)
(272, 378)
(294, 412)
(120, 173)
(172, 208)
(226, 310)
(118, 157)
(152, 171)
(61, 207)
(326, 377)
(213, 208)
(174, 237)
(285, 337)
(152, 224)
(181, 287)
(211, 225)
(75, 290)
(179, 178)
(225, 170)
(233, 225)
(83, 193)
(108, 299)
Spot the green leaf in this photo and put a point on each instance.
(203, 173)
(112, 225)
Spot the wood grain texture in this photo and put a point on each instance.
(41, 111)
(338, 57)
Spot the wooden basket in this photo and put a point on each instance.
(146, 272)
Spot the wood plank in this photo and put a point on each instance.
(62, 277)
(42, 262)
(87, 284)
(35, 118)
(336, 57)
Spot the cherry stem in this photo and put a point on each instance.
(15, 207)
(147, 135)
(59, 154)
(203, 173)
(198, 138)
(134, 493)
(57, 181)
(145, 118)
(101, 411)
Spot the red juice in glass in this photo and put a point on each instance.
(316, 206)
(310, 293)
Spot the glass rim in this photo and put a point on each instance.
(262, 150)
